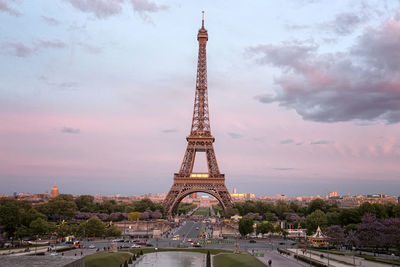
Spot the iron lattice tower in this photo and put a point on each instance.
(200, 140)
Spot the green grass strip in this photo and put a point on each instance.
(234, 260)
(106, 259)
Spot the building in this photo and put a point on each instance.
(54, 191)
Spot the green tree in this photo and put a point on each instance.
(113, 231)
(92, 227)
(39, 227)
(264, 228)
(10, 215)
(246, 226)
(315, 219)
(317, 204)
(85, 203)
(349, 216)
(269, 216)
(208, 261)
(61, 207)
(281, 207)
(333, 218)
(31, 215)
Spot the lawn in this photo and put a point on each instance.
(106, 259)
(203, 211)
(234, 260)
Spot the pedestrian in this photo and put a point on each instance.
(269, 263)
(81, 253)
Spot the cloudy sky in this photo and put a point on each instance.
(97, 95)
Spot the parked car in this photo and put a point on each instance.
(92, 247)
(149, 245)
(252, 241)
(136, 246)
(54, 253)
(190, 240)
(196, 245)
(141, 243)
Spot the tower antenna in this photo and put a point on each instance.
(202, 19)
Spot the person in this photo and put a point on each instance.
(269, 263)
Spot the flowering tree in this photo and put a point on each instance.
(392, 233)
(156, 214)
(370, 232)
(335, 233)
(145, 215)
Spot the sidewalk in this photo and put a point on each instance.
(338, 260)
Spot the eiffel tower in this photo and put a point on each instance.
(200, 139)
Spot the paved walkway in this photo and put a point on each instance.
(340, 261)
(277, 260)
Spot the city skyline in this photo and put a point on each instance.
(304, 95)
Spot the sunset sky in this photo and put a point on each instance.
(97, 95)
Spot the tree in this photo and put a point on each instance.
(317, 204)
(370, 231)
(264, 228)
(333, 218)
(315, 219)
(113, 231)
(61, 207)
(31, 215)
(93, 227)
(392, 233)
(208, 261)
(246, 226)
(349, 216)
(12, 214)
(281, 208)
(85, 203)
(335, 233)
(133, 216)
(271, 217)
(156, 214)
(39, 227)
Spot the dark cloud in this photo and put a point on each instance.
(17, 49)
(235, 135)
(67, 85)
(100, 8)
(49, 44)
(5, 7)
(169, 130)
(283, 169)
(106, 8)
(295, 27)
(20, 49)
(144, 7)
(70, 130)
(286, 141)
(344, 23)
(90, 48)
(321, 142)
(360, 84)
(50, 21)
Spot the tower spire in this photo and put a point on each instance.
(201, 121)
(202, 19)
